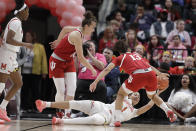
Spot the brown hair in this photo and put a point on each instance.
(89, 17)
(120, 46)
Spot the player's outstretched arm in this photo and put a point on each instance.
(100, 76)
(145, 108)
(148, 106)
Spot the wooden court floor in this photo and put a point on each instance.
(45, 125)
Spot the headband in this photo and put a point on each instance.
(22, 8)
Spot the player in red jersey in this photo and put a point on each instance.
(141, 75)
(61, 63)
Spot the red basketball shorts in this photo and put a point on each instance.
(147, 80)
(58, 68)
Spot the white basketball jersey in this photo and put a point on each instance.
(128, 111)
(15, 25)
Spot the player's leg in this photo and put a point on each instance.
(70, 83)
(3, 80)
(151, 88)
(95, 119)
(17, 80)
(83, 105)
(123, 92)
(60, 89)
(60, 93)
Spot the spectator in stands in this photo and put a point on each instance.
(189, 15)
(85, 77)
(123, 9)
(174, 12)
(141, 20)
(188, 68)
(183, 98)
(154, 50)
(112, 79)
(149, 7)
(131, 39)
(116, 29)
(33, 70)
(118, 17)
(166, 57)
(178, 55)
(108, 40)
(184, 35)
(163, 27)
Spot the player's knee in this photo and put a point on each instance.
(97, 120)
(60, 91)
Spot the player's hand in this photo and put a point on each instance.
(94, 72)
(93, 87)
(53, 44)
(29, 45)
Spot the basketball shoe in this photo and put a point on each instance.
(40, 105)
(3, 115)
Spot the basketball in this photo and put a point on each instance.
(163, 83)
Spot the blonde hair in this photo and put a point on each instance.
(189, 58)
(167, 52)
(115, 22)
(144, 49)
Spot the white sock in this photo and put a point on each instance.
(2, 87)
(164, 107)
(4, 104)
(48, 104)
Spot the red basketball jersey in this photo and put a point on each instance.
(130, 62)
(65, 49)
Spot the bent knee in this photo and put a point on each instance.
(98, 120)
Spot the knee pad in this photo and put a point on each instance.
(70, 81)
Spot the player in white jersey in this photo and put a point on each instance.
(99, 113)
(12, 40)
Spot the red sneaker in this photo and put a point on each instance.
(56, 121)
(60, 114)
(117, 124)
(3, 115)
(40, 105)
(172, 117)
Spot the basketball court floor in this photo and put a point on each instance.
(45, 125)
